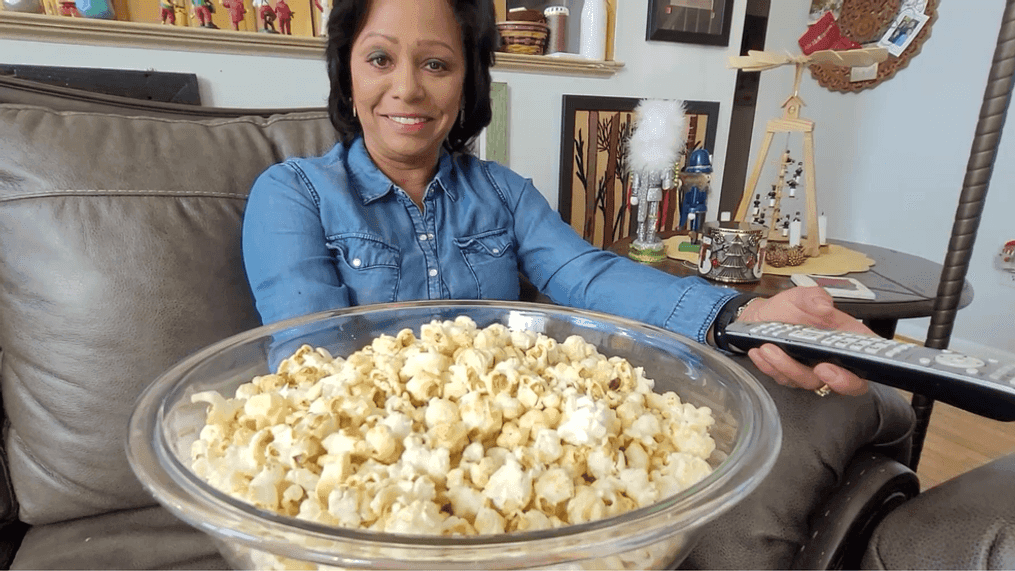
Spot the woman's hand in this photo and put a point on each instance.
(804, 306)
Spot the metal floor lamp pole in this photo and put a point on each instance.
(993, 111)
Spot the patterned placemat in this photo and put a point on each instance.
(834, 260)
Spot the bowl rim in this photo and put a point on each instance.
(198, 503)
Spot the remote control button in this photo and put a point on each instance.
(808, 334)
(973, 371)
(925, 360)
(1004, 370)
(958, 361)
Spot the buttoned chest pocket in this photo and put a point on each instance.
(368, 267)
(490, 257)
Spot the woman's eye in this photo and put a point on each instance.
(435, 65)
(379, 60)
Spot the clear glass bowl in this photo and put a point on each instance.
(164, 424)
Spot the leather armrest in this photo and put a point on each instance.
(967, 522)
(873, 485)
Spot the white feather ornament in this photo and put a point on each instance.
(660, 135)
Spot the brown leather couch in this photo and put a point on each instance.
(120, 254)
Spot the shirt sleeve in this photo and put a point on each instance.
(285, 254)
(573, 272)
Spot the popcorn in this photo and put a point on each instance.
(459, 431)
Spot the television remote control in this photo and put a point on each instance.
(982, 386)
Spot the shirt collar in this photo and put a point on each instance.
(372, 184)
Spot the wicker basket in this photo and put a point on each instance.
(519, 37)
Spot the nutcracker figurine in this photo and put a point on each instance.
(285, 16)
(267, 14)
(236, 12)
(654, 149)
(695, 202)
(203, 10)
(167, 11)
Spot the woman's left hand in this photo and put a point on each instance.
(804, 306)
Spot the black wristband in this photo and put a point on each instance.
(727, 315)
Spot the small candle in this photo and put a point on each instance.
(794, 233)
(822, 229)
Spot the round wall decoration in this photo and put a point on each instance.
(901, 26)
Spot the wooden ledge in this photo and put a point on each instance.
(86, 31)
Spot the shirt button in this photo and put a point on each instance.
(433, 273)
(430, 236)
(496, 250)
(422, 237)
(356, 262)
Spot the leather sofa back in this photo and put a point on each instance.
(119, 255)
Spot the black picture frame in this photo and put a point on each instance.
(603, 216)
(705, 22)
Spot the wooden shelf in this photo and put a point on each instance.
(43, 28)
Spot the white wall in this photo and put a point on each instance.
(891, 160)
(224, 80)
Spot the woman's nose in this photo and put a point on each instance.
(407, 84)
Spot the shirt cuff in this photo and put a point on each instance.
(697, 309)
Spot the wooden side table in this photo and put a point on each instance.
(905, 285)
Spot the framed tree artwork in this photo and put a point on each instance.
(594, 174)
(690, 21)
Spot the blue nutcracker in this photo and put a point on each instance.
(694, 205)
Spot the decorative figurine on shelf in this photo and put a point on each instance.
(167, 11)
(653, 151)
(101, 9)
(324, 10)
(285, 16)
(203, 9)
(26, 6)
(236, 12)
(68, 8)
(695, 202)
(267, 14)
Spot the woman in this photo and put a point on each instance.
(397, 211)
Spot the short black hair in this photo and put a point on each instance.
(479, 40)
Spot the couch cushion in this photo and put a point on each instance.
(144, 538)
(119, 255)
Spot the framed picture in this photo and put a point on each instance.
(594, 175)
(690, 21)
(903, 30)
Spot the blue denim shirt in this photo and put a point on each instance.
(333, 231)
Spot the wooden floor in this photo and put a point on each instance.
(959, 441)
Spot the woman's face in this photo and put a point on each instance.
(408, 71)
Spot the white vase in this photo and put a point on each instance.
(593, 30)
